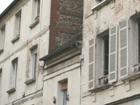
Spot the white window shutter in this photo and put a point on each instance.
(123, 49)
(91, 64)
(112, 54)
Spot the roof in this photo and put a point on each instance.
(73, 43)
(8, 8)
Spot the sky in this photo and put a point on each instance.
(4, 4)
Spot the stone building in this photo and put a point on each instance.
(40, 47)
(62, 69)
(111, 52)
(24, 34)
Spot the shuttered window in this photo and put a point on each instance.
(112, 54)
(123, 49)
(2, 37)
(91, 65)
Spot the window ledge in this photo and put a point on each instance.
(15, 39)
(100, 5)
(29, 81)
(12, 90)
(131, 77)
(101, 88)
(36, 21)
(1, 51)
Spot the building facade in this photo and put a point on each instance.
(40, 48)
(70, 52)
(24, 39)
(62, 66)
(110, 72)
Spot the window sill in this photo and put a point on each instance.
(29, 81)
(1, 51)
(36, 21)
(15, 39)
(12, 90)
(100, 5)
(100, 88)
(131, 77)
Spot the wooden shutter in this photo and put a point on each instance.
(112, 54)
(123, 49)
(91, 64)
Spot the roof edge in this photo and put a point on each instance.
(11, 5)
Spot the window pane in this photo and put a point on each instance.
(106, 54)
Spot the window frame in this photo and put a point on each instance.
(2, 37)
(13, 77)
(17, 27)
(101, 80)
(36, 10)
(32, 65)
(63, 91)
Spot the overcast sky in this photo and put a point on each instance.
(4, 4)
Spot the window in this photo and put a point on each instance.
(63, 93)
(36, 9)
(139, 38)
(106, 54)
(17, 26)
(13, 76)
(2, 38)
(35, 13)
(31, 72)
(135, 46)
(102, 58)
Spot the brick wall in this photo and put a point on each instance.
(66, 21)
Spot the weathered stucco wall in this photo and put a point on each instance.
(51, 83)
(95, 22)
(32, 93)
